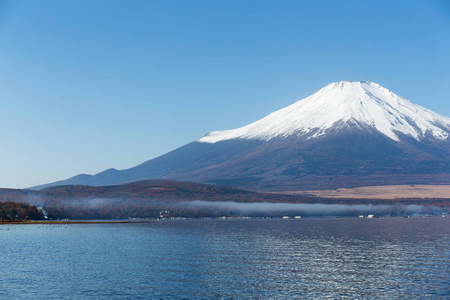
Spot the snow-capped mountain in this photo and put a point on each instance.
(360, 103)
(347, 133)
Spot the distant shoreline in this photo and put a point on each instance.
(72, 222)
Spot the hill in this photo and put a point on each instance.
(149, 198)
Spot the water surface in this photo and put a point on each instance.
(203, 259)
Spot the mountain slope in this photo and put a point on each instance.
(346, 129)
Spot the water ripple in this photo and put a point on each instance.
(228, 259)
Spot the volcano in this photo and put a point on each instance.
(347, 134)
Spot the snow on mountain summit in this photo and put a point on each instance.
(347, 134)
(360, 103)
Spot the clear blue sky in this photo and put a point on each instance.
(90, 85)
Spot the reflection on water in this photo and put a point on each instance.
(307, 258)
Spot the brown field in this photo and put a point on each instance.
(383, 192)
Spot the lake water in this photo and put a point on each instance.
(213, 259)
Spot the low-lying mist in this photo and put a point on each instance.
(93, 202)
(301, 209)
(118, 208)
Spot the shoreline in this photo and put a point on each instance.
(73, 222)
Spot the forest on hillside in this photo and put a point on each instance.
(161, 198)
(19, 211)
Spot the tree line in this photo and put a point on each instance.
(19, 211)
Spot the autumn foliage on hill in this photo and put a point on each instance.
(147, 199)
(19, 211)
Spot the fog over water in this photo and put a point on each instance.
(274, 209)
(266, 209)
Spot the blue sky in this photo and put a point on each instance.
(90, 85)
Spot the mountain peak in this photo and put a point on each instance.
(347, 134)
(360, 103)
(345, 82)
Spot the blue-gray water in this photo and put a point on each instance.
(204, 259)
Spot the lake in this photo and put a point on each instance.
(228, 259)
